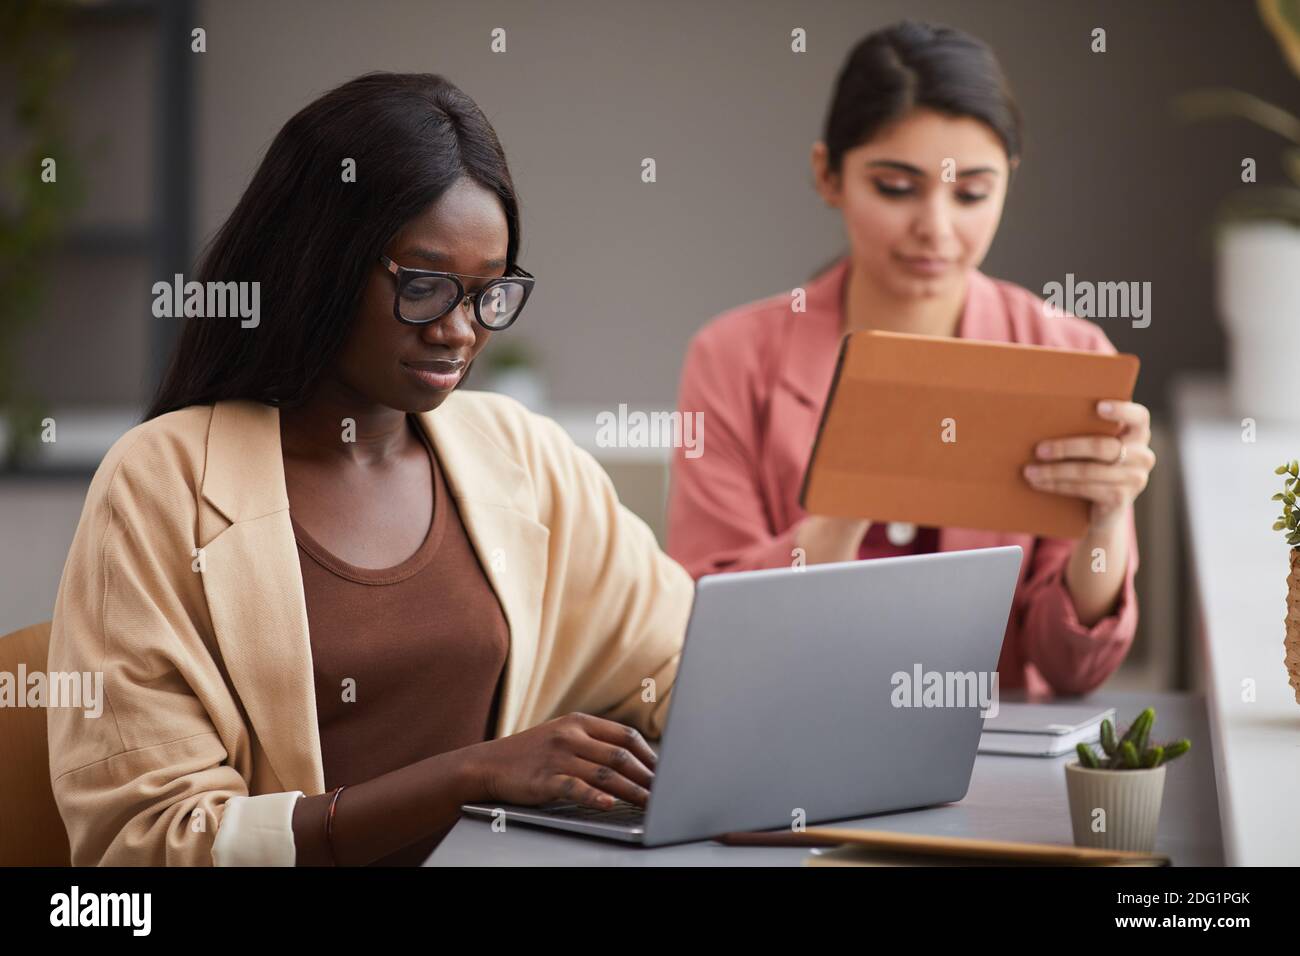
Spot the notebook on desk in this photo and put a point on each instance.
(1042, 730)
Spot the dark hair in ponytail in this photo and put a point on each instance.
(310, 238)
(910, 65)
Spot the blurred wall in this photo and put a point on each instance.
(1110, 188)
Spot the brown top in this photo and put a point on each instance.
(407, 660)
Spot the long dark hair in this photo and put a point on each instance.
(909, 65)
(310, 238)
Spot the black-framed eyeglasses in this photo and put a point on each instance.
(424, 296)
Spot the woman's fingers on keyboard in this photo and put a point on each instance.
(618, 758)
(576, 790)
(621, 735)
(608, 780)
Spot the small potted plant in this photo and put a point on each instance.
(1115, 796)
(511, 369)
(1289, 522)
(34, 59)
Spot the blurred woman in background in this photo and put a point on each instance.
(911, 102)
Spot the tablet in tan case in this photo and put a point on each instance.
(937, 431)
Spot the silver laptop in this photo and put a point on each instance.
(823, 693)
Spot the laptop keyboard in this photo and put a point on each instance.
(621, 813)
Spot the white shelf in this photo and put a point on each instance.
(582, 422)
(1240, 567)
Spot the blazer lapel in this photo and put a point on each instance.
(498, 508)
(254, 589)
(810, 345)
(984, 315)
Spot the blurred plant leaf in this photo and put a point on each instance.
(1270, 203)
(34, 60)
(1222, 102)
(1282, 18)
(1291, 164)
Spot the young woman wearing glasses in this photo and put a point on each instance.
(334, 598)
(919, 144)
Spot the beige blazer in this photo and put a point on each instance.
(183, 588)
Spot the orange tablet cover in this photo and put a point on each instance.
(936, 431)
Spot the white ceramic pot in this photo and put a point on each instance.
(1115, 809)
(1258, 290)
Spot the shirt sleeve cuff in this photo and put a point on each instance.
(1120, 623)
(257, 831)
(779, 552)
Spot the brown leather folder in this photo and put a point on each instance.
(937, 431)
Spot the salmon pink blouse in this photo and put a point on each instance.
(761, 373)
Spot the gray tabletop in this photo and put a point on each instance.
(1010, 798)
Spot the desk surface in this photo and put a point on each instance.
(1010, 798)
(1240, 568)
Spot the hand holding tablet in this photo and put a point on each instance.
(939, 432)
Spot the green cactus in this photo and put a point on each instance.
(1177, 749)
(1087, 758)
(1130, 755)
(1108, 742)
(1142, 723)
(1131, 752)
(1136, 733)
(1144, 735)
